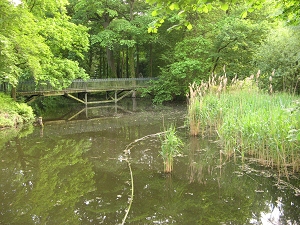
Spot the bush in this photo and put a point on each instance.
(13, 113)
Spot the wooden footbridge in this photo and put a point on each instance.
(79, 89)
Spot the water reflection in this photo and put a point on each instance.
(43, 184)
(75, 174)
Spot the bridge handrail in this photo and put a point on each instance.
(81, 84)
(114, 79)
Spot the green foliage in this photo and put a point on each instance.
(259, 125)
(13, 113)
(290, 11)
(183, 9)
(170, 147)
(280, 52)
(39, 42)
(247, 120)
(165, 88)
(216, 40)
(255, 124)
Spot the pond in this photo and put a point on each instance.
(75, 171)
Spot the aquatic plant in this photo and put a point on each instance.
(170, 147)
(251, 123)
(201, 105)
(259, 125)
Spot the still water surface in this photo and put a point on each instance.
(73, 172)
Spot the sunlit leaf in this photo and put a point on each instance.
(224, 6)
(154, 13)
(174, 6)
(251, 10)
(189, 26)
(244, 14)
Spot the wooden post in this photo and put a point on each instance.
(86, 111)
(116, 96)
(85, 98)
(40, 121)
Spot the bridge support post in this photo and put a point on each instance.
(116, 96)
(85, 98)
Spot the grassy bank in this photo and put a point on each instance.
(12, 113)
(251, 123)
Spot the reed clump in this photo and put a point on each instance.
(203, 104)
(252, 123)
(171, 147)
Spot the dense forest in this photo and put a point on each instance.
(177, 41)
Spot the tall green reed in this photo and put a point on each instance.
(171, 146)
(252, 123)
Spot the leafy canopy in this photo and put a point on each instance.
(39, 42)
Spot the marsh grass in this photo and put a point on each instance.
(170, 147)
(251, 123)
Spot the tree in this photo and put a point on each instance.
(286, 9)
(185, 8)
(217, 39)
(39, 42)
(280, 53)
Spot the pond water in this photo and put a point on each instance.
(74, 171)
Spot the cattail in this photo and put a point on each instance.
(225, 82)
(258, 74)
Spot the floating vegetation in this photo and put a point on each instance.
(250, 122)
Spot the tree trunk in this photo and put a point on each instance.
(151, 62)
(131, 62)
(109, 52)
(14, 93)
(111, 62)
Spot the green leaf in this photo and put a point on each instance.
(244, 14)
(189, 26)
(174, 6)
(154, 13)
(224, 7)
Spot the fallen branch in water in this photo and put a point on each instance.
(132, 192)
(126, 153)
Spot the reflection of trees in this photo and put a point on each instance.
(206, 195)
(49, 192)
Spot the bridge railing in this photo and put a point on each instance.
(86, 85)
(109, 83)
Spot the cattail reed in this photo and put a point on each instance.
(250, 123)
(171, 146)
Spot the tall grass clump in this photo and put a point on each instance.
(171, 146)
(255, 124)
(259, 125)
(203, 104)
(194, 109)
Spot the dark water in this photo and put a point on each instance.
(73, 172)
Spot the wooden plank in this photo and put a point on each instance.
(123, 96)
(77, 99)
